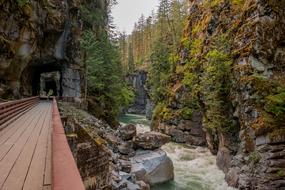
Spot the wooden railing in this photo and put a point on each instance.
(65, 174)
(10, 111)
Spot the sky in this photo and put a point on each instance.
(127, 12)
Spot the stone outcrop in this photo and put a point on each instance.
(142, 103)
(185, 131)
(151, 140)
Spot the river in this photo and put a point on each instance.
(194, 167)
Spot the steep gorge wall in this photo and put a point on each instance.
(36, 37)
(142, 103)
(232, 71)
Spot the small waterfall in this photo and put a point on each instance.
(60, 46)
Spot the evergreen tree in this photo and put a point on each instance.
(105, 84)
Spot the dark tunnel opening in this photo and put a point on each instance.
(50, 87)
(42, 79)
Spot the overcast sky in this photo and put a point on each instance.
(127, 12)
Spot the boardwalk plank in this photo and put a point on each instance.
(8, 161)
(10, 142)
(35, 177)
(48, 177)
(9, 139)
(15, 122)
(16, 125)
(20, 169)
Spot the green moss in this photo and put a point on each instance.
(280, 173)
(216, 87)
(269, 97)
(185, 42)
(275, 104)
(196, 47)
(237, 2)
(254, 157)
(167, 114)
(212, 3)
(21, 3)
(189, 79)
(157, 110)
(186, 113)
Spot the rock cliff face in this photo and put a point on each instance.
(232, 71)
(142, 103)
(39, 37)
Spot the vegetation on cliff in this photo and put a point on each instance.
(106, 88)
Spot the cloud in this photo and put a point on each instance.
(127, 12)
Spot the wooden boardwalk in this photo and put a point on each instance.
(25, 150)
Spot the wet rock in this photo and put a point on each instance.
(256, 64)
(2, 91)
(149, 108)
(195, 140)
(152, 167)
(232, 177)
(127, 176)
(125, 148)
(177, 136)
(151, 140)
(118, 186)
(143, 185)
(224, 159)
(111, 139)
(126, 166)
(127, 132)
(132, 186)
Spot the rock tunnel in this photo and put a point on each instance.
(53, 77)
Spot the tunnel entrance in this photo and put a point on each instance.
(50, 84)
(42, 78)
(49, 76)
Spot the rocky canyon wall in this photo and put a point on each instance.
(142, 103)
(231, 71)
(38, 37)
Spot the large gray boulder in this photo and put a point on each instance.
(152, 167)
(151, 140)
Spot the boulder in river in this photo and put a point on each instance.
(152, 167)
(127, 132)
(151, 140)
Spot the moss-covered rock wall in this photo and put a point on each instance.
(231, 68)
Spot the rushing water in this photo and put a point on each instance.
(194, 167)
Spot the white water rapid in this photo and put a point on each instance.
(194, 167)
